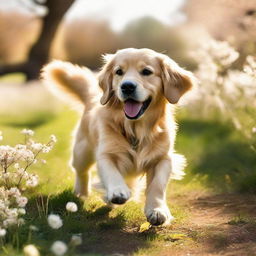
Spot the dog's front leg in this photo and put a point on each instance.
(116, 188)
(156, 209)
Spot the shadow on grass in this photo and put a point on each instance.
(103, 232)
(31, 122)
(218, 154)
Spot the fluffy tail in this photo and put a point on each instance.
(178, 164)
(70, 81)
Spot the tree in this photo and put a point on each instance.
(39, 52)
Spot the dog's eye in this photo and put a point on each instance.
(146, 72)
(119, 72)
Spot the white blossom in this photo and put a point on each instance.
(71, 207)
(21, 221)
(27, 132)
(53, 138)
(22, 201)
(37, 146)
(59, 248)
(33, 228)
(31, 250)
(21, 211)
(2, 232)
(15, 179)
(76, 240)
(55, 221)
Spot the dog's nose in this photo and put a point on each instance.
(128, 87)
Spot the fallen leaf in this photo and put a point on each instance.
(144, 227)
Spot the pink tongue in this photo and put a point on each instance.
(132, 108)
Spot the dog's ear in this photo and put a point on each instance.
(105, 79)
(176, 80)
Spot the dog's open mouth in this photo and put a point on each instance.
(134, 109)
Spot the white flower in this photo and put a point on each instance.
(254, 130)
(76, 240)
(33, 228)
(16, 166)
(22, 201)
(59, 248)
(53, 138)
(14, 191)
(31, 250)
(32, 181)
(55, 221)
(10, 222)
(71, 207)
(21, 211)
(46, 149)
(12, 213)
(27, 132)
(2, 232)
(21, 221)
(37, 146)
(1, 135)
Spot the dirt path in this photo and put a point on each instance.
(217, 225)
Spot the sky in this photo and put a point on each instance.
(117, 12)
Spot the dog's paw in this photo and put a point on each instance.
(81, 191)
(159, 216)
(118, 195)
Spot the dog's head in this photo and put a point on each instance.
(138, 77)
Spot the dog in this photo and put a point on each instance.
(128, 125)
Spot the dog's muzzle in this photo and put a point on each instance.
(133, 108)
(128, 88)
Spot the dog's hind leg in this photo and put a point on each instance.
(81, 162)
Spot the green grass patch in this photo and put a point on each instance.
(13, 78)
(217, 155)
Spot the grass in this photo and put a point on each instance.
(218, 156)
(218, 159)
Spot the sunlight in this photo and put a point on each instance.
(119, 13)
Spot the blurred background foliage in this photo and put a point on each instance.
(83, 39)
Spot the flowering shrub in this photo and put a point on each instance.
(15, 181)
(15, 178)
(231, 91)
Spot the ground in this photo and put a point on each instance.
(214, 206)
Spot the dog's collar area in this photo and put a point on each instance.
(134, 142)
(134, 109)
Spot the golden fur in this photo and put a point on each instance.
(125, 148)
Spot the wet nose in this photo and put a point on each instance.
(128, 87)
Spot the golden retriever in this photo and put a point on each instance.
(128, 125)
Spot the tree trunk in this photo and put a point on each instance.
(39, 53)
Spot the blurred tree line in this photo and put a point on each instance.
(28, 41)
(25, 39)
(85, 41)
